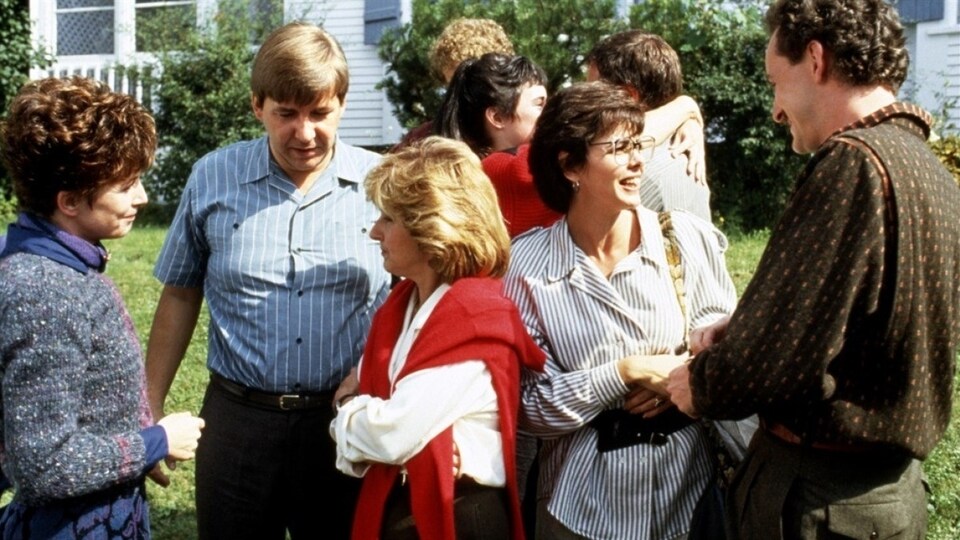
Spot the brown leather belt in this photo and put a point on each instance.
(280, 402)
(784, 433)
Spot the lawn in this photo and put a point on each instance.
(172, 508)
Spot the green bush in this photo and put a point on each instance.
(948, 150)
(749, 158)
(750, 164)
(556, 35)
(202, 101)
(17, 56)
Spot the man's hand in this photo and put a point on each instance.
(679, 388)
(158, 476)
(689, 140)
(703, 338)
(349, 387)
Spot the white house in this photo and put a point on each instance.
(92, 37)
(933, 39)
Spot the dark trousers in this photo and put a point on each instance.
(480, 513)
(262, 472)
(784, 490)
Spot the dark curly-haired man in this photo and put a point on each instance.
(845, 340)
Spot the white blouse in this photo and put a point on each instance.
(422, 405)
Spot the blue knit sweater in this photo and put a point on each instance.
(73, 413)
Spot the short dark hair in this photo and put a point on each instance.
(864, 37)
(73, 135)
(571, 119)
(493, 80)
(642, 60)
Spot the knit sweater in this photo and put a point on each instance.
(848, 331)
(72, 398)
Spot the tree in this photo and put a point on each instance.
(202, 82)
(17, 56)
(556, 34)
(721, 47)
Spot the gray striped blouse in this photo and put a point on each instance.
(585, 322)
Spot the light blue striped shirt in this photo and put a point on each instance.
(585, 322)
(291, 280)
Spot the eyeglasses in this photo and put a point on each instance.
(624, 147)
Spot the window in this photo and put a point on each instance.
(163, 24)
(85, 27)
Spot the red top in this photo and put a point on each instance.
(520, 203)
(487, 327)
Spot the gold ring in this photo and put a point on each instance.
(657, 402)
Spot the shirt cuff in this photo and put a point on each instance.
(155, 444)
(606, 383)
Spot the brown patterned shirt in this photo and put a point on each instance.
(848, 331)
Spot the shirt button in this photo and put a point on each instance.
(299, 293)
(299, 340)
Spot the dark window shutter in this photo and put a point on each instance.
(379, 15)
(917, 11)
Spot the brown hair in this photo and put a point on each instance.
(73, 135)
(571, 119)
(298, 63)
(438, 191)
(643, 61)
(864, 37)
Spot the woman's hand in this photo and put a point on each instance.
(649, 371)
(644, 401)
(183, 432)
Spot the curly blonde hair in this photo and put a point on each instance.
(467, 38)
(437, 190)
(74, 135)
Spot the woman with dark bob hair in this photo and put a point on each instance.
(493, 102)
(440, 373)
(78, 438)
(610, 293)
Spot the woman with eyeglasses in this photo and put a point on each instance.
(610, 293)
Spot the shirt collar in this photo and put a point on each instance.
(563, 257)
(911, 112)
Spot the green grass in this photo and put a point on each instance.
(172, 509)
(131, 267)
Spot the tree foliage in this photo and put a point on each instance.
(556, 34)
(721, 47)
(17, 56)
(202, 89)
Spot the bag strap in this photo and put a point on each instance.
(724, 460)
(672, 249)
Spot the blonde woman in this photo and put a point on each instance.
(439, 378)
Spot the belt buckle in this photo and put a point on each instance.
(289, 402)
(656, 439)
